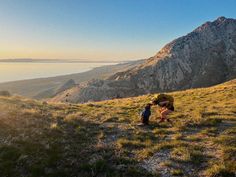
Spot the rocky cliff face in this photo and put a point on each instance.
(204, 57)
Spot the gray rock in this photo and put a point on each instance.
(202, 58)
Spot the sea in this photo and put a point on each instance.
(13, 71)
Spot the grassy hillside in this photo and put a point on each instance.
(102, 139)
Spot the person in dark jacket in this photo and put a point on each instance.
(145, 114)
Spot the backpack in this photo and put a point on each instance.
(163, 97)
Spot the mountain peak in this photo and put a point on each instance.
(222, 18)
(191, 61)
(218, 22)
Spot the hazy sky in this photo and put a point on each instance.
(100, 29)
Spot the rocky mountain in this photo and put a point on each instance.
(204, 57)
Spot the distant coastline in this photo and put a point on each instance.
(31, 87)
(20, 60)
(23, 70)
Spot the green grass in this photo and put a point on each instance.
(103, 139)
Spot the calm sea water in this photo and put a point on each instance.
(26, 70)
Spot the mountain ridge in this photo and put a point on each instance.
(190, 61)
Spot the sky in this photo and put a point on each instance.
(100, 29)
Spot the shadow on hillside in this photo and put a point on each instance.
(64, 148)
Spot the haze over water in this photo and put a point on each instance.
(28, 70)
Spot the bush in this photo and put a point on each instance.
(5, 93)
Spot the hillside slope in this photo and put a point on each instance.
(47, 87)
(102, 139)
(202, 58)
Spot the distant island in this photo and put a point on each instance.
(16, 60)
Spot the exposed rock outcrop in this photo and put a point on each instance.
(204, 57)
